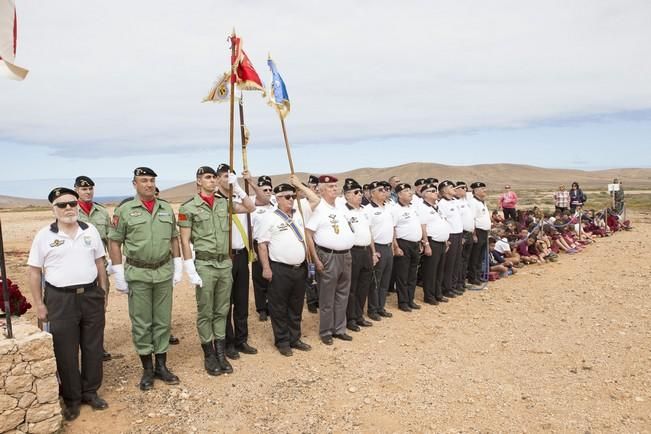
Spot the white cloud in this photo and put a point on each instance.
(127, 77)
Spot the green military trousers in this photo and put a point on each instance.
(150, 310)
(213, 300)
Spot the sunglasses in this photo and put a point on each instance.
(288, 196)
(266, 190)
(430, 191)
(382, 190)
(356, 192)
(64, 205)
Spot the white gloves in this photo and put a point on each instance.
(178, 271)
(120, 282)
(191, 271)
(109, 267)
(232, 179)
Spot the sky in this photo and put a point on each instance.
(117, 85)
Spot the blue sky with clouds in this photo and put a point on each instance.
(372, 83)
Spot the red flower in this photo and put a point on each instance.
(18, 304)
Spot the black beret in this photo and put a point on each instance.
(402, 186)
(264, 178)
(431, 181)
(351, 184)
(375, 184)
(205, 169)
(283, 188)
(460, 184)
(420, 181)
(157, 190)
(60, 191)
(223, 167)
(325, 179)
(84, 181)
(445, 183)
(477, 184)
(143, 171)
(430, 186)
(385, 184)
(365, 187)
(312, 180)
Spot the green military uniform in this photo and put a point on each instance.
(146, 240)
(209, 237)
(98, 217)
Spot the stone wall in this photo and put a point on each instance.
(29, 390)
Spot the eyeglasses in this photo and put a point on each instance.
(382, 190)
(429, 191)
(356, 192)
(266, 190)
(64, 205)
(288, 196)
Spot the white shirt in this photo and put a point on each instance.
(358, 221)
(481, 214)
(381, 222)
(416, 200)
(502, 246)
(258, 216)
(435, 225)
(67, 261)
(450, 212)
(467, 217)
(330, 227)
(284, 246)
(407, 222)
(306, 209)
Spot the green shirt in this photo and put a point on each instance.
(209, 227)
(98, 217)
(145, 237)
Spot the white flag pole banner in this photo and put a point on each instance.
(8, 39)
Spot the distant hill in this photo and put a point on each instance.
(521, 177)
(20, 202)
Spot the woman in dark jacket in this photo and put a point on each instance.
(577, 197)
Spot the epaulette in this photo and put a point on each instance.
(99, 204)
(163, 200)
(188, 201)
(125, 201)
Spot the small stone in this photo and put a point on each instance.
(367, 401)
(639, 399)
(139, 421)
(352, 389)
(151, 415)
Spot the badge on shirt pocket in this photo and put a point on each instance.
(88, 240)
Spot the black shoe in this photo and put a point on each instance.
(263, 315)
(174, 340)
(433, 302)
(327, 340)
(301, 346)
(404, 308)
(385, 314)
(449, 294)
(375, 316)
(71, 412)
(210, 360)
(342, 336)
(231, 352)
(457, 292)
(442, 299)
(414, 305)
(220, 354)
(362, 322)
(162, 372)
(147, 379)
(311, 308)
(106, 356)
(285, 351)
(353, 327)
(95, 401)
(246, 349)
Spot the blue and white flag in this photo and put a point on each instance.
(278, 95)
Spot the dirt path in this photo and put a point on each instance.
(564, 347)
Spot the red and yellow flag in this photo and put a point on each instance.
(245, 76)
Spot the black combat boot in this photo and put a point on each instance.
(220, 349)
(161, 372)
(147, 379)
(209, 359)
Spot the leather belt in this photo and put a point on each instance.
(384, 245)
(340, 252)
(359, 247)
(149, 265)
(76, 289)
(238, 251)
(293, 267)
(407, 241)
(206, 256)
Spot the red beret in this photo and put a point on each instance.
(324, 179)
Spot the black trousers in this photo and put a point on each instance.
(466, 248)
(477, 255)
(237, 329)
(311, 292)
(77, 323)
(406, 269)
(452, 262)
(510, 214)
(360, 282)
(381, 276)
(286, 293)
(260, 284)
(433, 271)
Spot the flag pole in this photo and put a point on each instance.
(231, 145)
(245, 165)
(5, 287)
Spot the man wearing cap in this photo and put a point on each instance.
(329, 239)
(482, 228)
(408, 241)
(449, 208)
(417, 198)
(281, 243)
(98, 216)
(467, 217)
(437, 232)
(237, 329)
(362, 254)
(381, 223)
(69, 255)
(146, 228)
(263, 205)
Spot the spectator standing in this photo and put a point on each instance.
(508, 202)
(577, 197)
(562, 199)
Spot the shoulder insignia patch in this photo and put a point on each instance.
(183, 217)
